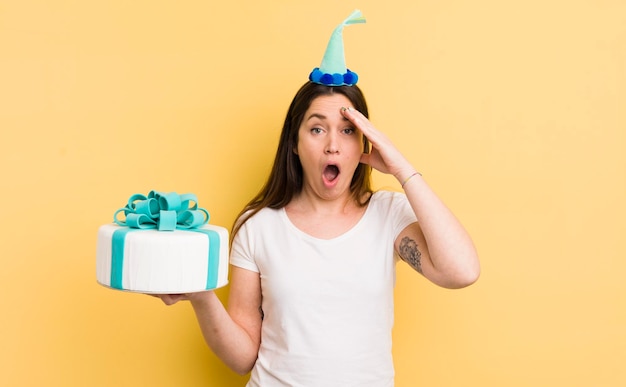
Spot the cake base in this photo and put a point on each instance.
(162, 262)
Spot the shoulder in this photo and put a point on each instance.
(256, 232)
(266, 214)
(265, 217)
(394, 207)
(384, 199)
(383, 195)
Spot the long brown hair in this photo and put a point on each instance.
(285, 179)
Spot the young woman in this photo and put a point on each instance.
(313, 254)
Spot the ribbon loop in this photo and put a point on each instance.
(188, 198)
(192, 218)
(134, 198)
(169, 201)
(167, 221)
(140, 221)
(148, 207)
(163, 211)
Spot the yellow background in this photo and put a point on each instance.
(513, 110)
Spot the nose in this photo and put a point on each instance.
(332, 145)
(331, 150)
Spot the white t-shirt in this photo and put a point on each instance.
(328, 304)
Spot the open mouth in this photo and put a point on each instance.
(331, 172)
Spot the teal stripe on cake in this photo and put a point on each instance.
(117, 257)
(214, 257)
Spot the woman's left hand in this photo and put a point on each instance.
(383, 156)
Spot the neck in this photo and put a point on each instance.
(309, 202)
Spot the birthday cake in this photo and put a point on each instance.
(163, 245)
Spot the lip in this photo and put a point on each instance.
(330, 174)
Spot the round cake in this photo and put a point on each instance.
(163, 246)
(167, 262)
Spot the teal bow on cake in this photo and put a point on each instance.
(162, 211)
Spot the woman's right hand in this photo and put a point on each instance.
(171, 299)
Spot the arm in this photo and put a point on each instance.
(234, 335)
(437, 246)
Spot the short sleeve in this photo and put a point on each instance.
(241, 254)
(395, 211)
(401, 212)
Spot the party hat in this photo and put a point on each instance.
(333, 70)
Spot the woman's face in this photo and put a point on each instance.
(329, 147)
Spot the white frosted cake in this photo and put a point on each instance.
(149, 260)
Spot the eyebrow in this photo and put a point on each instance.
(316, 115)
(320, 116)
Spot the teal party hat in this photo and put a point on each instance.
(333, 70)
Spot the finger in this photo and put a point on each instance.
(361, 122)
(167, 299)
(171, 299)
(354, 115)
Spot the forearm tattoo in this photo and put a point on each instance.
(410, 253)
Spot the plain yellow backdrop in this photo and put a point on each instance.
(514, 111)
